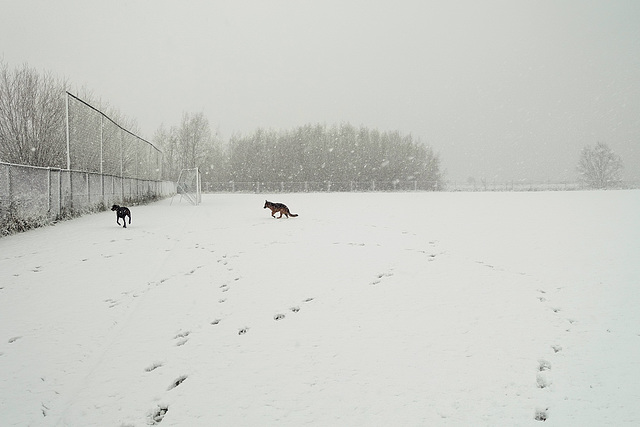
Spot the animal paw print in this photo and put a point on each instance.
(542, 381)
(278, 316)
(182, 338)
(112, 303)
(153, 366)
(380, 277)
(243, 331)
(541, 414)
(543, 365)
(177, 382)
(158, 414)
(193, 270)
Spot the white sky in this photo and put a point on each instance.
(501, 89)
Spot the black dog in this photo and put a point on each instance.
(122, 212)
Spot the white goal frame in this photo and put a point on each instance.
(189, 186)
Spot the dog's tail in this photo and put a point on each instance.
(292, 214)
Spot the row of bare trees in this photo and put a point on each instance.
(315, 153)
(339, 153)
(33, 132)
(33, 117)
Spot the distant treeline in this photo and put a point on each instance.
(314, 153)
(338, 153)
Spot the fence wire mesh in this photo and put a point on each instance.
(34, 196)
(98, 144)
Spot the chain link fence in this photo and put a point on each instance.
(390, 186)
(106, 164)
(33, 196)
(96, 143)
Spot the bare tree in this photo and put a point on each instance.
(194, 135)
(190, 145)
(167, 140)
(31, 117)
(599, 167)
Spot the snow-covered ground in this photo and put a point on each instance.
(453, 309)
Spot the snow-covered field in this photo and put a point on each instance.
(422, 309)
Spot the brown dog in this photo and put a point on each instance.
(278, 207)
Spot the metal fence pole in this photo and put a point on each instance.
(66, 99)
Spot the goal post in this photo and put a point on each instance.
(189, 185)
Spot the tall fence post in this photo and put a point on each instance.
(49, 190)
(66, 99)
(59, 192)
(88, 189)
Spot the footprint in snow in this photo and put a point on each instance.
(177, 382)
(158, 414)
(543, 365)
(112, 303)
(541, 414)
(542, 381)
(153, 366)
(380, 277)
(182, 338)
